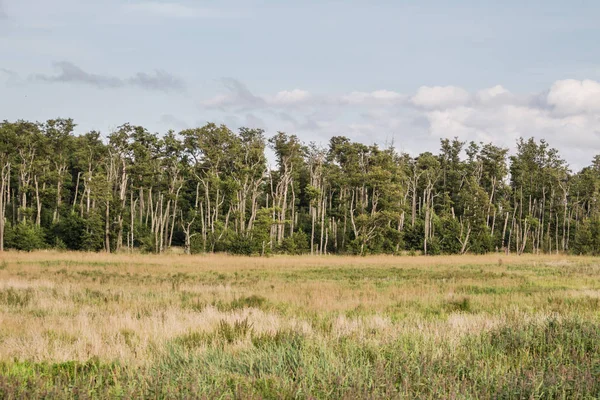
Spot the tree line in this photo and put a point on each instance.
(210, 189)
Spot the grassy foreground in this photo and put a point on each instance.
(118, 326)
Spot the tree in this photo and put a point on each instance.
(210, 189)
(7, 147)
(58, 133)
(289, 152)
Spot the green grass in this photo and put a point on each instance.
(16, 297)
(553, 359)
(382, 329)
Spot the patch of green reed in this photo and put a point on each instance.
(96, 297)
(380, 275)
(462, 304)
(226, 333)
(192, 302)
(573, 304)
(552, 359)
(18, 298)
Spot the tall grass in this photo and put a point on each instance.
(104, 326)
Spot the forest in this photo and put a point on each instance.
(210, 189)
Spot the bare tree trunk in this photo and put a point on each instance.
(76, 189)
(122, 198)
(504, 231)
(4, 195)
(38, 203)
(292, 210)
(59, 185)
(556, 234)
(564, 225)
(465, 242)
(188, 236)
(312, 230)
(323, 228)
(107, 228)
(414, 204)
(174, 217)
(132, 220)
(426, 235)
(141, 205)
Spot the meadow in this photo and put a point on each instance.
(86, 325)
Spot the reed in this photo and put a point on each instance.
(174, 326)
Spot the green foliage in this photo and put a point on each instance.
(209, 189)
(243, 245)
(413, 236)
(71, 231)
(482, 242)
(587, 238)
(197, 245)
(449, 233)
(25, 237)
(297, 243)
(92, 238)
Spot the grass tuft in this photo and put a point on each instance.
(16, 297)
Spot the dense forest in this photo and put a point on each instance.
(210, 189)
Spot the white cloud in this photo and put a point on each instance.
(417, 122)
(377, 96)
(289, 97)
(572, 96)
(451, 122)
(494, 95)
(432, 97)
(503, 125)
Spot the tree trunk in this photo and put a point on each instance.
(107, 228)
(38, 203)
(4, 194)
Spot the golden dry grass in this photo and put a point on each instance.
(124, 307)
(166, 326)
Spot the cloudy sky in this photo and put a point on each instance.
(410, 72)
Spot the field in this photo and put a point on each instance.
(78, 325)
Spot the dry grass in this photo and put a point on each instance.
(58, 307)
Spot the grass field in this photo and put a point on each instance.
(132, 326)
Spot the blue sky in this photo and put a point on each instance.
(376, 71)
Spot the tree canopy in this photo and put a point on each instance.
(210, 189)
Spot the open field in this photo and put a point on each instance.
(80, 325)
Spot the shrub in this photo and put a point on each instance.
(296, 244)
(70, 231)
(25, 236)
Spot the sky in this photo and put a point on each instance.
(400, 72)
